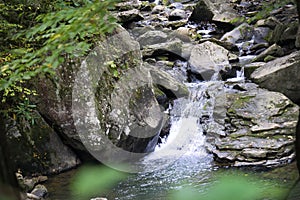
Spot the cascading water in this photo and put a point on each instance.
(182, 159)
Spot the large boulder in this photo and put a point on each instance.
(281, 75)
(107, 97)
(36, 148)
(208, 59)
(252, 127)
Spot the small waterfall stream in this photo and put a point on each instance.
(182, 159)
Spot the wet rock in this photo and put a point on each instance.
(129, 115)
(152, 37)
(172, 87)
(177, 14)
(270, 22)
(280, 75)
(243, 32)
(225, 44)
(274, 50)
(39, 191)
(259, 128)
(38, 149)
(27, 184)
(260, 34)
(125, 6)
(213, 10)
(176, 24)
(122, 112)
(208, 58)
(250, 68)
(202, 12)
(158, 9)
(129, 16)
(290, 32)
(173, 47)
(297, 42)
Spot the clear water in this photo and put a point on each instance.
(180, 161)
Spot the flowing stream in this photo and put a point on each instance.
(180, 160)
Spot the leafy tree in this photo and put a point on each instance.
(37, 37)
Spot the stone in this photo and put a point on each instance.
(251, 67)
(281, 75)
(273, 50)
(202, 12)
(177, 14)
(166, 81)
(124, 6)
(129, 16)
(260, 34)
(257, 126)
(243, 32)
(176, 24)
(38, 149)
(214, 10)
(173, 47)
(99, 198)
(152, 37)
(126, 104)
(270, 22)
(158, 9)
(39, 191)
(207, 59)
(290, 33)
(127, 114)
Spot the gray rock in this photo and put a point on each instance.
(177, 23)
(174, 47)
(125, 103)
(281, 75)
(250, 68)
(166, 81)
(124, 6)
(216, 10)
(38, 149)
(158, 9)
(129, 16)
(127, 114)
(260, 34)
(177, 14)
(251, 127)
(152, 37)
(274, 50)
(243, 32)
(270, 22)
(297, 42)
(39, 191)
(208, 58)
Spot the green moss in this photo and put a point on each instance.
(240, 101)
(269, 58)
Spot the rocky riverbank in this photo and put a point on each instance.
(165, 45)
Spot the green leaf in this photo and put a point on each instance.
(94, 180)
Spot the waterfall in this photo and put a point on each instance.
(186, 141)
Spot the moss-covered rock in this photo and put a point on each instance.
(36, 148)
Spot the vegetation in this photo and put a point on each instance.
(37, 36)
